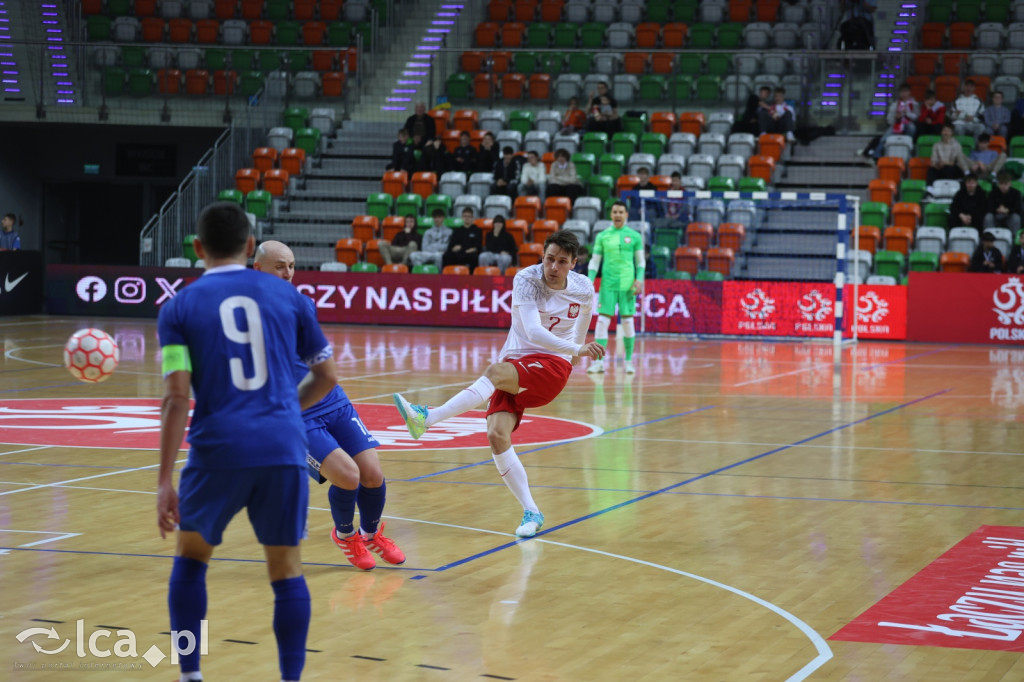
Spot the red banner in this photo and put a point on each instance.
(881, 311)
(972, 597)
(966, 308)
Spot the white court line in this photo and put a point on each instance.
(784, 374)
(374, 376)
(822, 447)
(14, 452)
(84, 478)
(60, 536)
(824, 652)
(413, 390)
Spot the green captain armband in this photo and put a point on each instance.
(176, 359)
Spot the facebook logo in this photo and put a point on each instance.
(91, 289)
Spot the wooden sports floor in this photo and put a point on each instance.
(718, 516)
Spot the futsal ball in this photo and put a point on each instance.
(91, 355)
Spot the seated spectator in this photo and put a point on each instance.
(401, 153)
(968, 111)
(465, 243)
(594, 98)
(532, 177)
(1015, 261)
(996, 116)
(405, 242)
(948, 160)
(562, 180)
(435, 241)
(9, 238)
(582, 260)
(1004, 204)
(985, 162)
(420, 123)
(901, 117)
(506, 174)
(499, 246)
(676, 212)
(464, 158)
(933, 115)
(487, 155)
(1017, 118)
(575, 119)
(970, 205)
(750, 122)
(986, 258)
(604, 117)
(435, 157)
(651, 209)
(779, 117)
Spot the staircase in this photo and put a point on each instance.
(38, 70)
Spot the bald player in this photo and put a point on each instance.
(341, 451)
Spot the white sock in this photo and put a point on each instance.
(463, 401)
(601, 329)
(191, 677)
(514, 475)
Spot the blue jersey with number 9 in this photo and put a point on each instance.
(244, 330)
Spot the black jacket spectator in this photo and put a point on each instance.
(464, 160)
(502, 242)
(1010, 199)
(421, 123)
(486, 157)
(1015, 261)
(974, 205)
(464, 247)
(401, 157)
(509, 173)
(986, 258)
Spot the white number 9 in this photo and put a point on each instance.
(253, 338)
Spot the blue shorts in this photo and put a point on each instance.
(276, 497)
(341, 428)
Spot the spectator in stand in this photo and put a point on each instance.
(1004, 204)
(10, 240)
(604, 116)
(985, 162)
(506, 174)
(933, 115)
(676, 213)
(487, 156)
(404, 243)
(968, 111)
(901, 117)
(997, 117)
(970, 205)
(421, 124)
(986, 258)
(594, 99)
(465, 243)
(779, 117)
(582, 260)
(750, 121)
(464, 158)
(401, 153)
(1015, 261)
(575, 119)
(562, 180)
(652, 209)
(1017, 118)
(499, 246)
(435, 241)
(532, 178)
(434, 157)
(948, 160)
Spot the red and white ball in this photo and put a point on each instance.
(91, 355)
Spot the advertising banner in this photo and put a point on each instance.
(960, 307)
(21, 282)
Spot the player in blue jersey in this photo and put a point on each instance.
(233, 336)
(341, 451)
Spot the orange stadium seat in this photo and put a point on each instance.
(179, 30)
(92, 7)
(394, 183)
(961, 35)
(145, 8)
(919, 166)
(635, 62)
(225, 82)
(761, 167)
(424, 184)
(883, 191)
(466, 119)
(487, 270)
(558, 209)
(260, 32)
(700, 235)
(739, 10)
(530, 254)
(293, 160)
(898, 238)
(371, 247)
(982, 84)
(688, 259)
(512, 270)
(870, 238)
(919, 85)
(527, 208)
(441, 117)
(365, 227)
(450, 139)
(647, 34)
(513, 86)
(333, 84)
(501, 10)
(348, 250)
(954, 63)
(512, 33)
(674, 35)
(501, 62)
(551, 10)
(486, 34)
(771, 144)
(207, 31)
(485, 224)
(247, 180)
(472, 62)
(720, 260)
(663, 122)
(731, 236)
(891, 168)
(539, 86)
(484, 85)
(925, 63)
(275, 181)
(517, 228)
(691, 122)
(395, 268)
(526, 10)
(330, 10)
(252, 9)
(946, 88)
(933, 35)
(264, 159)
(661, 182)
(168, 81)
(998, 143)
(153, 30)
(304, 10)
(906, 214)
(542, 229)
(455, 270)
(222, 9)
(954, 261)
(197, 81)
(323, 60)
(662, 62)
(313, 33)
(767, 10)
(391, 226)
(626, 183)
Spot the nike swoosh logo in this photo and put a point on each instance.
(505, 472)
(9, 285)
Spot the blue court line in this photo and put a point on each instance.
(171, 556)
(909, 357)
(555, 445)
(693, 479)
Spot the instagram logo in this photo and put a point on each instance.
(130, 290)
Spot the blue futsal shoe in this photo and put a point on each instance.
(531, 523)
(414, 416)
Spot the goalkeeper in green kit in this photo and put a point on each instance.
(621, 250)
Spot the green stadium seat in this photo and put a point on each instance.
(601, 186)
(258, 203)
(595, 143)
(681, 87)
(652, 87)
(216, 58)
(719, 64)
(685, 10)
(188, 249)
(968, 10)
(730, 35)
(708, 276)
(721, 184)
(298, 61)
(874, 213)
(113, 80)
(426, 269)
(634, 122)
(524, 62)
(921, 261)
(889, 263)
(119, 8)
(538, 34)
(97, 27)
(133, 57)
(276, 10)
(658, 11)
(566, 34)
(339, 34)
(288, 33)
(677, 274)
(936, 215)
(232, 195)
(940, 10)
(379, 205)
(551, 63)
(308, 140)
(702, 35)
(653, 143)
(592, 34)
(925, 144)
(521, 121)
(662, 257)
(691, 63)
(409, 204)
(586, 165)
(708, 88)
(579, 62)
(997, 11)
(458, 86)
(252, 83)
(913, 191)
(753, 185)
(438, 201)
(624, 143)
(364, 267)
(612, 164)
(669, 237)
(269, 60)
(141, 81)
(967, 142)
(295, 117)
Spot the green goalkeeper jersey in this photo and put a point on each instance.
(617, 248)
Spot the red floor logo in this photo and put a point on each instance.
(134, 423)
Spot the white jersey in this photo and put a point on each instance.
(561, 326)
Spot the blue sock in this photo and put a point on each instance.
(371, 507)
(291, 623)
(186, 600)
(343, 509)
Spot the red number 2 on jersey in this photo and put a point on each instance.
(554, 324)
